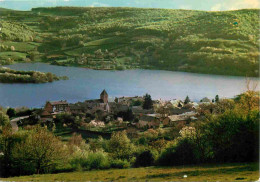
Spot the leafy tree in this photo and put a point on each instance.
(148, 103)
(233, 136)
(4, 119)
(137, 103)
(249, 101)
(8, 140)
(40, 150)
(187, 100)
(119, 146)
(11, 112)
(223, 105)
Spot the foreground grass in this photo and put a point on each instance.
(224, 172)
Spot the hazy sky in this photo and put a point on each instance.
(209, 5)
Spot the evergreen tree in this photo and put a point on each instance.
(216, 98)
(187, 100)
(148, 103)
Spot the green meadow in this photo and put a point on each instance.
(225, 172)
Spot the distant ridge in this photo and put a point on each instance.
(211, 42)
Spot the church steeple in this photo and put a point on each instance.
(104, 96)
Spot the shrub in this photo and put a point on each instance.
(4, 119)
(120, 164)
(83, 160)
(119, 146)
(97, 160)
(184, 152)
(77, 163)
(146, 158)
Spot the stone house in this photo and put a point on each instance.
(181, 118)
(148, 121)
(53, 108)
(57, 106)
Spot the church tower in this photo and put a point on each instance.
(104, 96)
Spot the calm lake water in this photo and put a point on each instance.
(86, 84)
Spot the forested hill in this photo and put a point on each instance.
(224, 42)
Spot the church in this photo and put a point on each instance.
(91, 106)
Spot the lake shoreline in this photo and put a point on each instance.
(156, 69)
(85, 84)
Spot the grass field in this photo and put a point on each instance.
(224, 172)
(21, 46)
(13, 55)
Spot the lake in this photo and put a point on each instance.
(86, 84)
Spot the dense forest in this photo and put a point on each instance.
(225, 42)
(12, 76)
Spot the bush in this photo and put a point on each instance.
(77, 163)
(146, 158)
(4, 119)
(98, 160)
(88, 161)
(182, 153)
(120, 164)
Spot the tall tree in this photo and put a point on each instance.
(187, 100)
(216, 98)
(148, 103)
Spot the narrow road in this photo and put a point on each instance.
(14, 122)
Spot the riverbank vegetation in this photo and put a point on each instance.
(224, 42)
(12, 76)
(226, 132)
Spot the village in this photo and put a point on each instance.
(132, 114)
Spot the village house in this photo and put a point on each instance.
(148, 121)
(181, 118)
(53, 108)
(128, 100)
(138, 111)
(177, 103)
